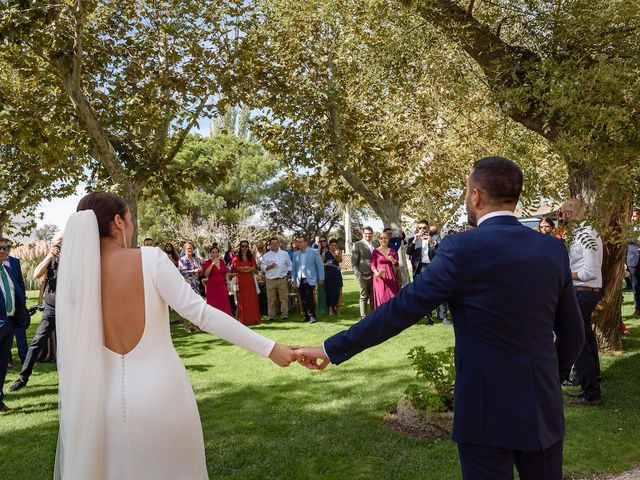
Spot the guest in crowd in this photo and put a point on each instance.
(148, 242)
(229, 255)
(217, 275)
(399, 244)
(333, 275)
(585, 259)
(48, 268)
(244, 265)
(331, 258)
(395, 242)
(316, 243)
(307, 271)
(321, 292)
(276, 266)
(361, 263)
(293, 248)
(546, 226)
(434, 235)
(13, 310)
(260, 251)
(421, 249)
(171, 253)
(384, 261)
(190, 267)
(633, 259)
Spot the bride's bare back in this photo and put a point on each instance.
(123, 314)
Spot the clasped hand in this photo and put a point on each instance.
(313, 358)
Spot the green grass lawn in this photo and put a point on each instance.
(260, 421)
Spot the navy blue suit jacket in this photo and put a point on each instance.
(20, 316)
(509, 289)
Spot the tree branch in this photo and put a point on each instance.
(506, 66)
(164, 161)
(70, 68)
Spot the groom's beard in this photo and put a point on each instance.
(471, 216)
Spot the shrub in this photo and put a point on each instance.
(436, 374)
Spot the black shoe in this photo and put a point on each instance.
(583, 402)
(312, 320)
(4, 408)
(269, 319)
(637, 312)
(18, 384)
(284, 319)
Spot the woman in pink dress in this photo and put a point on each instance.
(245, 266)
(217, 275)
(383, 261)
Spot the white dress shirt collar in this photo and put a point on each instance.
(497, 213)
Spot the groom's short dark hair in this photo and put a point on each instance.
(500, 178)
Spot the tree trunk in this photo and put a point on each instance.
(608, 315)
(388, 212)
(130, 192)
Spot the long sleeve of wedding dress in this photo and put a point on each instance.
(179, 296)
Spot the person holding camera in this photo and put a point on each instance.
(421, 250)
(48, 267)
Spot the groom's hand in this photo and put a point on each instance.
(310, 356)
(283, 355)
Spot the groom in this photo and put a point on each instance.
(509, 289)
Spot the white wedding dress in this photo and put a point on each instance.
(150, 428)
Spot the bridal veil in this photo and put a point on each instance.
(81, 361)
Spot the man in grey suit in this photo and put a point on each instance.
(633, 257)
(361, 262)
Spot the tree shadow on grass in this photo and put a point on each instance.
(598, 438)
(317, 428)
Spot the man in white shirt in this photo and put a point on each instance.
(585, 260)
(276, 266)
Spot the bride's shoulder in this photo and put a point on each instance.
(151, 253)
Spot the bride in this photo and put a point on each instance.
(127, 409)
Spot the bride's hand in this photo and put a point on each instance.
(282, 355)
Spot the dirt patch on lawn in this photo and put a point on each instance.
(630, 475)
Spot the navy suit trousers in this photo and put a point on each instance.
(6, 340)
(306, 296)
(479, 462)
(588, 362)
(635, 285)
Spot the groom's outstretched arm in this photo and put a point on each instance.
(431, 288)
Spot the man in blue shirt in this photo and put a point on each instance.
(307, 271)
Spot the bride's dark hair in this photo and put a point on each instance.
(106, 206)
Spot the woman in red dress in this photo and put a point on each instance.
(245, 265)
(384, 260)
(217, 274)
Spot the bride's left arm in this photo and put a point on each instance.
(178, 294)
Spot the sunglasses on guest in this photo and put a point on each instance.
(6, 248)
